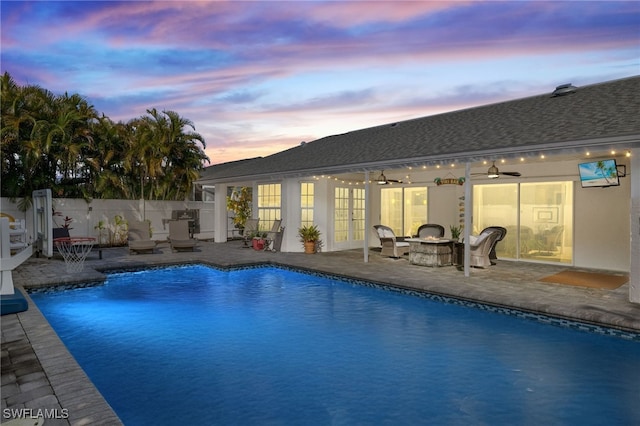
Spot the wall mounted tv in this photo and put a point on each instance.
(599, 173)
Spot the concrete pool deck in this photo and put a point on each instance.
(38, 373)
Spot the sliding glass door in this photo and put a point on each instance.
(403, 209)
(538, 218)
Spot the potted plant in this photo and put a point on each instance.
(239, 202)
(309, 236)
(258, 240)
(455, 232)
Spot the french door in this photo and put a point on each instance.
(348, 217)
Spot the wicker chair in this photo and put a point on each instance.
(481, 246)
(503, 232)
(430, 230)
(390, 246)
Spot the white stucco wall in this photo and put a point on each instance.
(634, 229)
(601, 224)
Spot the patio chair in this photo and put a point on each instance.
(550, 241)
(480, 246)
(179, 236)
(430, 230)
(503, 232)
(139, 238)
(390, 246)
(250, 226)
(272, 234)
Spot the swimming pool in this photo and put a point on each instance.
(195, 345)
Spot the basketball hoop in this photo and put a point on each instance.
(74, 250)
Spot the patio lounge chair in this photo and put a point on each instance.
(431, 230)
(139, 238)
(250, 226)
(390, 246)
(179, 236)
(480, 246)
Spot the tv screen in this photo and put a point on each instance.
(599, 173)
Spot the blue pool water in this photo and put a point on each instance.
(194, 345)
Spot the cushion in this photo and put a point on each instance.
(387, 233)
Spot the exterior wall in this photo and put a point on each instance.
(601, 223)
(87, 215)
(444, 206)
(634, 237)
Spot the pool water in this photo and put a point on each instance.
(263, 346)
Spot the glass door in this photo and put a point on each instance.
(348, 218)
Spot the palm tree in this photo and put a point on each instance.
(168, 157)
(60, 142)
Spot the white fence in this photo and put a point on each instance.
(86, 216)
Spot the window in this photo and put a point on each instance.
(403, 209)
(269, 204)
(307, 190)
(204, 193)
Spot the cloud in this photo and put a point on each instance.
(255, 77)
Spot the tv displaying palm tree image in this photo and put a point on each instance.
(599, 173)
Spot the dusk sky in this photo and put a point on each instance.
(259, 77)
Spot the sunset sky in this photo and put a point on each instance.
(259, 77)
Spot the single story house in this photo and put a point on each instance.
(545, 151)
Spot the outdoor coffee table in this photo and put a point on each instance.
(430, 251)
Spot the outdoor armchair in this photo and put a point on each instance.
(480, 247)
(390, 246)
(430, 230)
(503, 232)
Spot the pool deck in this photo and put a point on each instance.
(38, 372)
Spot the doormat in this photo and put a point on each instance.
(587, 279)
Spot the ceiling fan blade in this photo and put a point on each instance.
(511, 173)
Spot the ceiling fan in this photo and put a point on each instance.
(494, 173)
(382, 179)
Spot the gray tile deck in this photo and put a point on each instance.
(39, 373)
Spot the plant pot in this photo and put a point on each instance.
(309, 247)
(258, 244)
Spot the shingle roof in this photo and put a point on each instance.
(594, 114)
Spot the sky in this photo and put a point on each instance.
(259, 77)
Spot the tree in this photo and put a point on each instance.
(62, 143)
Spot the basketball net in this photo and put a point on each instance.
(74, 250)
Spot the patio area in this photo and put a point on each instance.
(39, 373)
